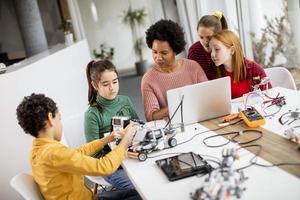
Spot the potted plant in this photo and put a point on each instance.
(135, 18)
(106, 53)
(66, 27)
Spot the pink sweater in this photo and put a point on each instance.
(155, 84)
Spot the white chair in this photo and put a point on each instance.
(74, 135)
(25, 185)
(280, 76)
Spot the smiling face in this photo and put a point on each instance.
(108, 86)
(205, 34)
(163, 55)
(221, 54)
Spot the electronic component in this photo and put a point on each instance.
(252, 117)
(147, 140)
(183, 165)
(230, 117)
(289, 117)
(292, 134)
(119, 122)
(223, 182)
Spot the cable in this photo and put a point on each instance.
(294, 115)
(179, 105)
(255, 155)
(163, 154)
(213, 136)
(216, 129)
(260, 134)
(233, 139)
(257, 93)
(279, 101)
(274, 113)
(253, 160)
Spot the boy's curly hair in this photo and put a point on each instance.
(32, 113)
(166, 30)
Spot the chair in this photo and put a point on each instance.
(74, 135)
(25, 185)
(280, 76)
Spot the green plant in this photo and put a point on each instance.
(66, 26)
(106, 53)
(278, 35)
(135, 18)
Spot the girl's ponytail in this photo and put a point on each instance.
(92, 94)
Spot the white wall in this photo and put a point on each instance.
(110, 29)
(60, 76)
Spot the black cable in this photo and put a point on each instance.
(274, 113)
(218, 135)
(295, 115)
(163, 154)
(170, 119)
(216, 129)
(260, 134)
(253, 160)
(255, 155)
(181, 112)
(233, 139)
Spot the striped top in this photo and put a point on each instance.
(198, 54)
(155, 84)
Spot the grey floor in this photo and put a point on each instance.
(131, 86)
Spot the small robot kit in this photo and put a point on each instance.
(147, 140)
(252, 117)
(292, 134)
(119, 122)
(224, 182)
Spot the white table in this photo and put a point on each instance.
(262, 183)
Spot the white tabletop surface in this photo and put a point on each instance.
(262, 183)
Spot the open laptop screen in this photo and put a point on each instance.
(201, 101)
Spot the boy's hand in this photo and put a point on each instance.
(128, 134)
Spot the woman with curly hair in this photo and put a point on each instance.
(166, 40)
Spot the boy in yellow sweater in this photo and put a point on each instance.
(57, 169)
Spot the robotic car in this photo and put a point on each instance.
(146, 140)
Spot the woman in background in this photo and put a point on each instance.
(199, 51)
(227, 54)
(166, 40)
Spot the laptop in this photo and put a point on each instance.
(201, 101)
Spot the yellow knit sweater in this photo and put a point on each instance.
(59, 170)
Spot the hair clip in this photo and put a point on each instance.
(217, 14)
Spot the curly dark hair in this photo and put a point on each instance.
(166, 30)
(32, 113)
